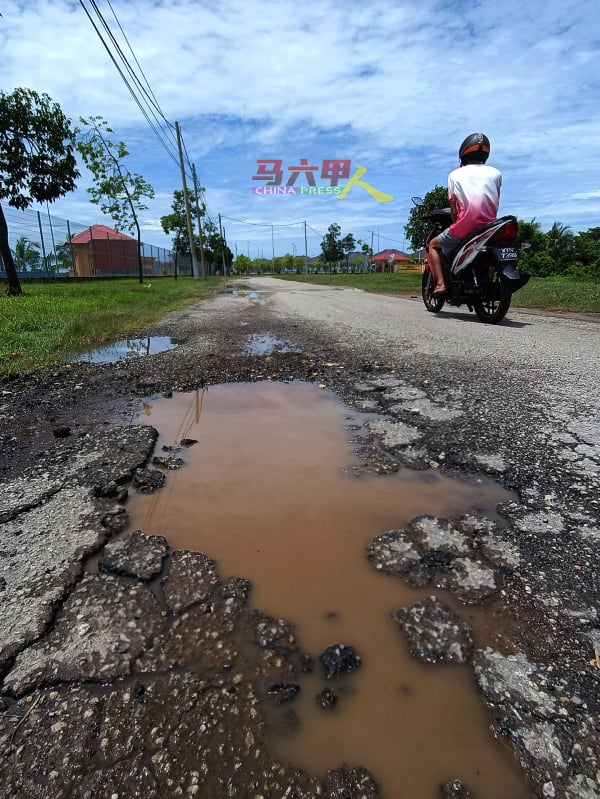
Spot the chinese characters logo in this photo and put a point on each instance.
(332, 170)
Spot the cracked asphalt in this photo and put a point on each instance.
(131, 670)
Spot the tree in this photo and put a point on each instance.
(26, 254)
(288, 262)
(117, 191)
(560, 245)
(332, 246)
(347, 244)
(37, 163)
(243, 264)
(63, 259)
(176, 223)
(587, 252)
(418, 225)
(367, 252)
(216, 248)
(299, 264)
(530, 236)
(531, 242)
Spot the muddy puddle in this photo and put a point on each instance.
(128, 348)
(270, 490)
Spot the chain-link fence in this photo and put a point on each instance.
(45, 246)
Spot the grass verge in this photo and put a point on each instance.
(51, 322)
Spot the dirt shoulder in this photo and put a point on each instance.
(122, 660)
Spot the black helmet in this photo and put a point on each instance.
(475, 149)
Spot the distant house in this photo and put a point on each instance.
(358, 261)
(391, 261)
(100, 250)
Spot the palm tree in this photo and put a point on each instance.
(560, 244)
(26, 254)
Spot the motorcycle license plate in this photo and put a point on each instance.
(507, 253)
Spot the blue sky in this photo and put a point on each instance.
(390, 85)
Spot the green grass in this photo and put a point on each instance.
(560, 294)
(51, 322)
(551, 293)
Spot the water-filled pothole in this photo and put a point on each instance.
(245, 292)
(266, 344)
(266, 491)
(128, 348)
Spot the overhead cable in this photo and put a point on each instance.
(262, 224)
(156, 130)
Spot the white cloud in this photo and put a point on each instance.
(587, 195)
(393, 85)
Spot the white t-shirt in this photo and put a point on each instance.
(476, 189)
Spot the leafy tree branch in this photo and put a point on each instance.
(37, 161)
(117, 191)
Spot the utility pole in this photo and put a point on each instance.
(305, 251)
(223, 245)
(273, 248)
(186, 198)
(200, 234)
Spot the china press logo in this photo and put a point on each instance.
(332, 171)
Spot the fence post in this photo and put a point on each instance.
(39, 218)
(71, 249)
(52, 237)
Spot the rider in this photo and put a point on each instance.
(474, 195)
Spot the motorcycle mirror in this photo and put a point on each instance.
(416, 201)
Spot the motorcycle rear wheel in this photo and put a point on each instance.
(433, 304)
(494, 305)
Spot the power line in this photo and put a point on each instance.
(156, 130)
(152, 95)
(316, 232)
(387, 238)
(261, 224)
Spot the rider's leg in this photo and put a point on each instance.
(435, 260)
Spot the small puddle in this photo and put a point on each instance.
(266, 491)
(266, 344)
(128, 348)
(241, 292)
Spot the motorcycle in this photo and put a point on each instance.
(481, 273)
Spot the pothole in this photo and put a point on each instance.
(269, 489)
(245, 292)
(266, 344)
(128, 348)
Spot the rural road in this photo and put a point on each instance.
(556, 351)
(111, 686)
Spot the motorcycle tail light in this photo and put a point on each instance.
(507, 234)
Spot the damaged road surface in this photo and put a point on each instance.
(130, 668)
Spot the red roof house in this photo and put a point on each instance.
(391, 260)
(100, 250)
